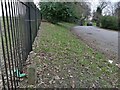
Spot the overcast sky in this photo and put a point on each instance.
(94, 3)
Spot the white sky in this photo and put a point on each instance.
(94, 3)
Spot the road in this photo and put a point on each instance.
(103, 40)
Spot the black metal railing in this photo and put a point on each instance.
(19, 24)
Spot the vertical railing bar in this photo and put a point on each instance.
(9, 37)
(30, 28)
(20, 59)
(27, 42)
(12, 30)
(15, 15)
(13, 33)
(25, 35)
(1, 67)
(5, 63)
(36, 20)
(28, 37)
(11, 25)
(3, 48)
(16, 42)
(14, 12)
(18, 38)
(22, 35)
(3, 82)
(12, 15)
(11, 41)
(26, 48)
(17, 30)
(14, 39)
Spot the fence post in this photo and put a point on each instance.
(29, 17)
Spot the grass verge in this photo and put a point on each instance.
(64, 61)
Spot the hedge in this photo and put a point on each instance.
(109, 22)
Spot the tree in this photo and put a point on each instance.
(109, 22)
(102, 5)
(64, 11)
(82, 11)
(117, 13)
(110, 9)
(54, 11)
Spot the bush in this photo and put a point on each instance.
(56, 11)
(64, 11)
(109, 22)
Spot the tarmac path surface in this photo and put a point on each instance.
(103, 40)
